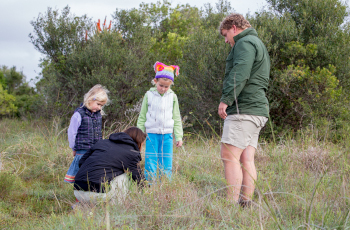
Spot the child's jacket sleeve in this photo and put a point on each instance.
(142, 116)
(74, 125)
(177, 120)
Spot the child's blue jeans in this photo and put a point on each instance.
(158, 155)
(74, 167)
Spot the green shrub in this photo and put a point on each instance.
(7, 102)
(313, 94)
(22, 100)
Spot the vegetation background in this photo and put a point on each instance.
(304, 153)
(308, 42)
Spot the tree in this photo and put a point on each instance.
(57, 35)
(313, 18)
(18, 97)
(7, 103)
(12, 79)
(2, 79)
(308, 42)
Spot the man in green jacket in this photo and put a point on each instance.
(243, 105)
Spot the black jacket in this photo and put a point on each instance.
(107, 159)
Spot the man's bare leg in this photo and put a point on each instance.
(233, 171)
(249, 173)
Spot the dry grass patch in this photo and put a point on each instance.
(302, 182)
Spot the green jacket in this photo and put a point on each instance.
(247, 76)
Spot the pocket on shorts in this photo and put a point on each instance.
(233, 132)
(259, 121)
(263, 121)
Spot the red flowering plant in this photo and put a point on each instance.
(99, 29)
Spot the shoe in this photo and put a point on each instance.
(245, 203)
(76, 203)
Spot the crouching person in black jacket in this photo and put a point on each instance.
(102, 173)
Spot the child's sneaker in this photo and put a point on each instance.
(76, 203)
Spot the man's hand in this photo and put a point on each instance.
(178, 143)
(74, 152)
(222, 110)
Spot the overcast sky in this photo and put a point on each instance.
(15, 16)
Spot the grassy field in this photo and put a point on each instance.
(303, 183)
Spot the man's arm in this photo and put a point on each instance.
(222, 110)
(234, 82)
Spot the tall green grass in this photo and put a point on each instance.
(303, 178)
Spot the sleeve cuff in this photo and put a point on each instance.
(226, 101)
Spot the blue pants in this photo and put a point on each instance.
(159, 155)
(74, 167)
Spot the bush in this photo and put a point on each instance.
(313, 94)
(200, 84)
(7, 102)
(21, 99)
(308, 42)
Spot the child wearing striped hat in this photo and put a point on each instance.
(159, 118)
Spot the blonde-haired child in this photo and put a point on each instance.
(159, 117)
(85, 127)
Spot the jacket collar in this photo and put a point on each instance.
(88, 112)
(154, 90)
(248, 31)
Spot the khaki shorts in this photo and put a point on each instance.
(241, 130)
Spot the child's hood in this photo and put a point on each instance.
(124, 139)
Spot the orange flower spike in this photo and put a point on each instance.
(99, 25)
(86, 34)
(104, 24)
(110, 25)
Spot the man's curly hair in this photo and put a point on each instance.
(234, 19)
